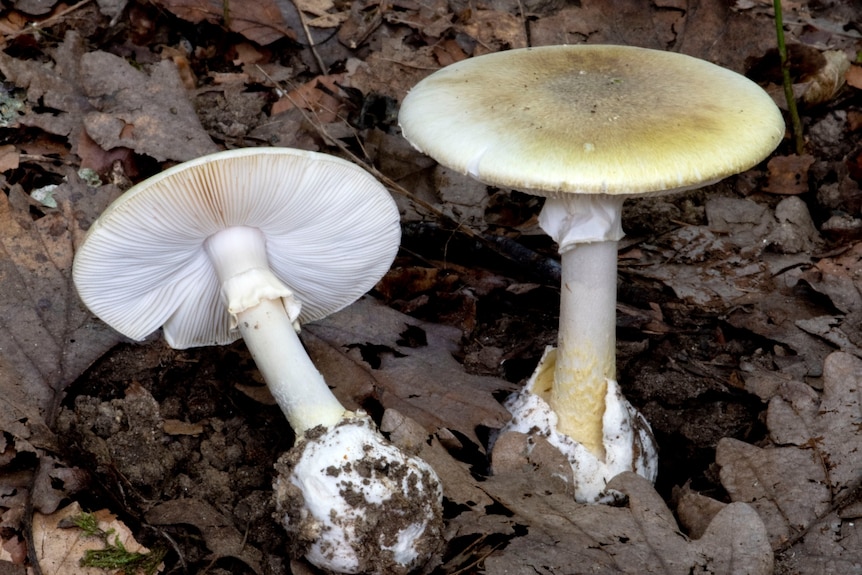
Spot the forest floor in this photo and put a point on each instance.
(739, 317)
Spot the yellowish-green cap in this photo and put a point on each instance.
(591, 119)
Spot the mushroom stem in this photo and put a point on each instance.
(265, 309)
(297, 386)
(587, 229)
(586, 342)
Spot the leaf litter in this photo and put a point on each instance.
(739, 310)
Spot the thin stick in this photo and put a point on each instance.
(308, 37)
(35, 26)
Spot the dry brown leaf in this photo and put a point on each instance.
(221, 537)
(854, 76)
(318, 96)
(814, 463)
(95, 158)
(712, 31)
(47, 336)
(494, 30)
(149, 113)
(395, 67)
(838, 279)
(60, 549)
(9, 158)
(260, 21)
(52, 86)
(641, 538)
(788, 175)
(361, 351)
(320, 9)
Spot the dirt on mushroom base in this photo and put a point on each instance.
(371, 531)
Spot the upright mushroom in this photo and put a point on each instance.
(587, 126)
(251, 243)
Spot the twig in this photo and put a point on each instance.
(786, 80)
(35, 26)
(410, 65)
(308, 37)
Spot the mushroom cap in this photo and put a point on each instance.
(591, 119)
(331, 232)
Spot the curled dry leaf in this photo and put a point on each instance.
(148, 113)
(221, 537)
(260, 21)
(48, 338)
(361, 345)
(815, 461)
(642, 537)
(823, 85)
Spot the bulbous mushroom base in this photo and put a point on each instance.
(627, 437)
(352, 502)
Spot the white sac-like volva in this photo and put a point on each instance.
(627, 438)
(352, 502)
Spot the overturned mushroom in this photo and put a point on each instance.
(587, 126)
(251, 243)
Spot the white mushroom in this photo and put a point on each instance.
(586, 126)
(251, 243)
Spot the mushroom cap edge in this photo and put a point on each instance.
(332, 232)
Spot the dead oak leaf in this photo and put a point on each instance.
(642, 537)
(839, 279)
(218, 532)
(424, 382)
(47, 337)
(52, 85)
(260, 21)
(830, 546)
(815, 461)
(60, 548)
(494, 30)
(149, 113)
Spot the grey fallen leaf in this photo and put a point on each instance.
(642, 538)
(459, 486)
(774, 315)
(151, 113)
(425, 383)
(829, 328)
(815, 462)
(837, 278)
(34, 7)
(832, 546)
(743, 222)
(220, 535)
(786, 485)
(47, 337)
(53, 85)
(795, 231)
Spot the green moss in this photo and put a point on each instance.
(115, 556)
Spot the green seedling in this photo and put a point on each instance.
(787, 82)
(115, 556)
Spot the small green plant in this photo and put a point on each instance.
(115, 556)
(796, 123)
